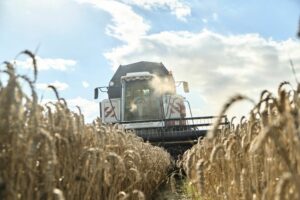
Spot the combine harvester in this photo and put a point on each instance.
(142, 96)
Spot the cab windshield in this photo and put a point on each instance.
(141, 103)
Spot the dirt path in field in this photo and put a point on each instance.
(171, 191)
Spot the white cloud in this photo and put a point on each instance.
(215, 16)
(57, 84)
(90, 109)
(48, 64)
(85, 84)
(177, 7)
(216, 66)
(126, 25)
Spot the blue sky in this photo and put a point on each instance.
(220, 47)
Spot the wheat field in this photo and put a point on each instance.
(256, 158)
(49, 152)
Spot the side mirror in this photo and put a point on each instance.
(96, 93)
(299, 30)
(186, 87)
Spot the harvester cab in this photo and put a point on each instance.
(142, 96)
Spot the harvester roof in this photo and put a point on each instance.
(115, 91)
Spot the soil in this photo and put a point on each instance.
(166, 192)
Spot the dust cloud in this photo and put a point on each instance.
(162, 85)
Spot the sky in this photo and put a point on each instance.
(221, 47)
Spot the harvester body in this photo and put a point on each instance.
(142, 96)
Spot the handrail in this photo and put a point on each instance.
(188, 125)
(173, 119)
